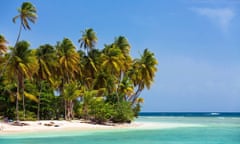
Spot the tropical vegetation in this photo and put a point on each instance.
(63, 82)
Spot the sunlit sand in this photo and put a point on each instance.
(42, 126)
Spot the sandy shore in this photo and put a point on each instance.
(46, 126)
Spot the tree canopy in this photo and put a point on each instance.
(60, 82)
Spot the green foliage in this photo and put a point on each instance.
(136, 110)
(3, 45)
(27, 12)
(49, 105)
(30, 116)
(100, 111)
(88, 39)
(123, 113)
(99, 84)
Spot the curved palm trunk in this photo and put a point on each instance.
(68, 105)
(21, 80)
(69, 109)
(65, 109)
(134, 97)
(19, 33)
(5, 66)
(39, 101)
(38, 112)
(121, 75)
(17, 112)
(24, 108)
(20, 93)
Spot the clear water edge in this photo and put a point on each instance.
(214, 130)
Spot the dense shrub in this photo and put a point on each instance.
(30, 116)
(101, 112)
(123, 112)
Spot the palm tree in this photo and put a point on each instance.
(3, 45)
(22, 65)
(143, 73)
(122, 43)
(88, 96)
(91, 66)
(69, 60)
(47, 61)
(71, 91)
(88, 40)
(113, 63)
(126, 88)
(27, 12)
(112, 59)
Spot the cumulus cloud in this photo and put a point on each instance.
(221, 16)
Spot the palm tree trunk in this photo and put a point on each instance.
(23, 97)
(71, 109)
(5, 66)
(134, 97)
(19, 33)
(39, 101)
(68, 110)
(17, 113)
(38, 111)
(67, 102)
(65, 109)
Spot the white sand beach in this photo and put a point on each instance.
(42, 126)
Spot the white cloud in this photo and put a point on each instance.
(221, 16)
(216, 1)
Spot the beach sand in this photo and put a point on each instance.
(46, 126)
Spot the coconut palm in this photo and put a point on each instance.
(68, 59)
(122, 43)
(88, 96)
(27, 12)
(47, 61)
(91, 64)
(71, 91)
(22, 65)
(46, 57)
(143, 73)
(113, 63)
(126, 88)
(101, 80)
(88, 40)
(112, 59)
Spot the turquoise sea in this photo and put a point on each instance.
(213, 128)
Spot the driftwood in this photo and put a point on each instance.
(19, 124)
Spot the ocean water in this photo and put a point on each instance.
(215, 128)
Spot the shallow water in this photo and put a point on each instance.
(214, 130)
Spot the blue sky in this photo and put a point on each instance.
(197, 43)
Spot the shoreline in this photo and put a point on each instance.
(81, 126)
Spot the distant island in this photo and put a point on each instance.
(62, 82)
